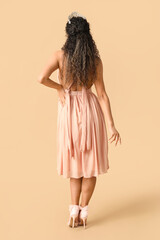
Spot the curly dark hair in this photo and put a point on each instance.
(80, 52)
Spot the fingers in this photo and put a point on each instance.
(116, 137)
(62, 100)
(111, 136)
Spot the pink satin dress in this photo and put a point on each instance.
(82, 141)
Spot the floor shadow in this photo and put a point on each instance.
(140, 205)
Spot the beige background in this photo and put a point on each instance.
(34, 199)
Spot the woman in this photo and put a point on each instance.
(82, 146)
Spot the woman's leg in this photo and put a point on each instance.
(82, 186)
(75, 186)
(88, 185)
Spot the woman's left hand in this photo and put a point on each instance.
(115, 135)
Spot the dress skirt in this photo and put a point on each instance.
(82, 141)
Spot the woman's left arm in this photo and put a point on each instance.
(51, 66)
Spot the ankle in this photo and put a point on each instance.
(83, 205)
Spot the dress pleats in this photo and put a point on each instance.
(82, 141)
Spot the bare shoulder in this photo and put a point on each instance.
(99, 64)
(60, 54)
(57, 54)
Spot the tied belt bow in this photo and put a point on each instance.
(86, 131)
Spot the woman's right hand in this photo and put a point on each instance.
(61, 95)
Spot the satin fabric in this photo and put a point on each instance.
(82, 142)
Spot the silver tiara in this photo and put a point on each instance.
(74, 14)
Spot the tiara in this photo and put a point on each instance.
(74, 14)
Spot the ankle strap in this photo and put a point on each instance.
(85, 208)
(73, 206)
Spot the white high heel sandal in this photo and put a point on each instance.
(83, 215)
(74, 211)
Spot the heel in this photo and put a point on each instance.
(74, 211)
(73, 221)
(84, 215)
(84, 222)
(73, 224)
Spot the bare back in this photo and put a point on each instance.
(62, 81)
